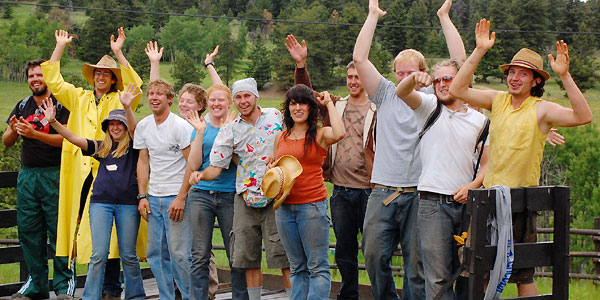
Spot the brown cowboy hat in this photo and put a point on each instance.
(279, 180)
(106, 62)
(529, 59)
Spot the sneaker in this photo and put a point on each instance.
(19, 296)
(65, 297)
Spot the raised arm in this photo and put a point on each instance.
(406, 88)
(126, 99)
(49, 110)
(460, 85)
(62, 40)
(154, 55)
(555, 114)
(117, 47)
(336, 132)
(455, 44)
(209, 62)
(369, 76)
(196, 155)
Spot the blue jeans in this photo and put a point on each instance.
(348, 207)
(127, 223)
(168, 249)
(304, 232)
(436, 225)
(204, 206)
(384, 227)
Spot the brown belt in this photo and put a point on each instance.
(448, 199)
(397, 192)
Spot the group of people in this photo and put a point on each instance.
(401, 157)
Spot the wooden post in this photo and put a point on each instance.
(596, 240)
(560, 266)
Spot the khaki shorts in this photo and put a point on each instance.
(523, 233)
(250, 227)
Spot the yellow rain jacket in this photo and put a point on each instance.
(85, 121)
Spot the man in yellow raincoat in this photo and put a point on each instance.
(88, 109)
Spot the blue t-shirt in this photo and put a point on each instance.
(226, 181)
(116, 182)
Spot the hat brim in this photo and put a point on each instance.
(88, 73)
(541, 72)
(286, 191)
(105, 123)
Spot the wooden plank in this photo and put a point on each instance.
(538, 297)
(8, 179)
(527, 255)
(560, 268)
(8, 218)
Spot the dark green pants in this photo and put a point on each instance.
(37, 216)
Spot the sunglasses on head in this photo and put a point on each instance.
(444, 79)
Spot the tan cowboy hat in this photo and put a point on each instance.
(106, 62)
(279, 180)
(529, 59)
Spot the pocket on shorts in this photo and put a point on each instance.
(428, 208)
(276, 248)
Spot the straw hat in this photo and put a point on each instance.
(106, 62)
(279, 180)
(529, 59)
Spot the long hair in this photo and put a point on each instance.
(107, 144)
(302, 94)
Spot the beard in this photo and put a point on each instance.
(39, 92)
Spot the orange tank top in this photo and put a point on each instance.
(309, 186)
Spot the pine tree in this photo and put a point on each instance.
(260, 66)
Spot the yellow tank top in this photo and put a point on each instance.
(516, 143)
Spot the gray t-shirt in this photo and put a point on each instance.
(397, 161)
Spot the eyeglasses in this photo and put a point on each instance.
(105, 73)
(444, 79)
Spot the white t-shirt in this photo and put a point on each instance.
(164, 143)
(447, 147)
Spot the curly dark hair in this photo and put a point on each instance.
(302, 94)
(538, 89)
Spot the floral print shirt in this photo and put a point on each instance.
(253, 143)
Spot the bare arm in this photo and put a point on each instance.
(406, 88)
(557, 115)
(178, 205)
(455, 44)
(369, 76)
(154, 55)
(49, 110)
(62, 40)
(212, 72)
(461, 193)
(126, 99)
(196, 155)
(460, 85)
(143, 174)
(117, 47)
(336, 132)
(10, 136)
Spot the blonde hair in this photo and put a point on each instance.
(220, 87)
(164, 86)
(411, 55)
(197, 91)
(455, 63)
(107, 144)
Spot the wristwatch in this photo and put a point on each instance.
(141, 196)
(210, 63)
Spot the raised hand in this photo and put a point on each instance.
(210, 57)
(445, 9)
(560, 66)
(130, 93)
(230, 117)
(374, 8)
(117, 45)
(197, 121)
(484, 40)
(48, 109)
(422, 79)
(324, 98)
(62, 37)
(152, 51)
(297, 51)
